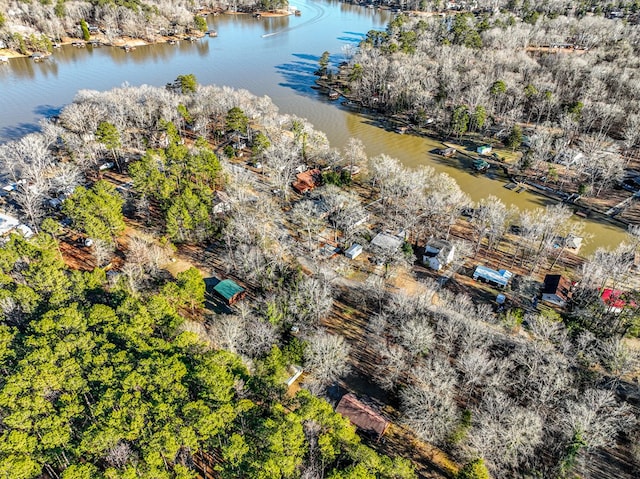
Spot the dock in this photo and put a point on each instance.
(516, 187)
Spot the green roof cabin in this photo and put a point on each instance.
(229, 290)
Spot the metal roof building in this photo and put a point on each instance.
(229, 290)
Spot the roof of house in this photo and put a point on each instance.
(438, 247)
(228, 288)
(613, 298)
(361, 415)
(387, 242)
(307, 180)
(558, 285)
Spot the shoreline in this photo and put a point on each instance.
(401, 126)
(129, 42)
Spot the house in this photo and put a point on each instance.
(221, 202)
(307, 181)
(362, 416)
(484, 149)
(230, 291)
(387, 242)
(438, 253)
(498, 278)
(556, 289)
(354, 251)
(614, 300)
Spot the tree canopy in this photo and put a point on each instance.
(99, 383)
(96, 211)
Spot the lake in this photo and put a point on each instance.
(273, 56)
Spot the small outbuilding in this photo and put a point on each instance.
(498, 278)
(354, 251)
(556, 289)
(438, 253)
(362, 416)
(230, 291)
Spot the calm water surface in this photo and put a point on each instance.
(267, 56)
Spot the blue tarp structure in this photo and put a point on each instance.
(499, 278)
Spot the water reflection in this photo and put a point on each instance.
(299, 75)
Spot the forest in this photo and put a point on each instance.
(100, 381)
(115, 365)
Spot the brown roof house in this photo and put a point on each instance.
(307, 181)
(362, 416)
(556, 290)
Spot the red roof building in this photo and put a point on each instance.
(307, 181)
(362, 416)
(614, 300)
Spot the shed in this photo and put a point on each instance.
(484, 149)
(307, 181)
(354, 251)
(362, 416)
(438, 253)
(556, 289)
(387, 242)
(498, 278)
(229, 290)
